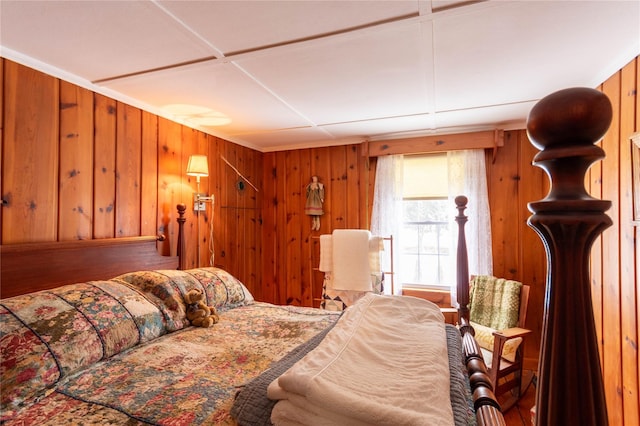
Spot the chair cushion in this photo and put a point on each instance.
(494, 302)
(484, 337)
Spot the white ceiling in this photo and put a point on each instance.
(292, 74)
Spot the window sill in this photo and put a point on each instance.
(440, 297)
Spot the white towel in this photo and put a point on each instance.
(351, 269)
(376, 245)
(326, 253)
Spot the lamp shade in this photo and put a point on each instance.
(198, 166)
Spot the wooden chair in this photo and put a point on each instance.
(502, 347)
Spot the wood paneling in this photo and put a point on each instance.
(30, 155)
(104, 169)
(128, 170)
(628, 282)
(132, 174)
(76, 163)
(289, 245)
(149, 178)
(79, 165)
(518, 253)
(615, 257)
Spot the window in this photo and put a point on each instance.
(425, 233)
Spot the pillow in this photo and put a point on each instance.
(494, 302)
(164, 292)
(48, 335)
(484, 336)
(222, 289)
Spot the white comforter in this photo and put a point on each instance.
(384, 363)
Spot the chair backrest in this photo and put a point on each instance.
(524, 303)
(497, 303)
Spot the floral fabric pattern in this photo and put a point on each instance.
(47, 336)
(163, 292)
(186, 377)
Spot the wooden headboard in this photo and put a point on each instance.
(29, 267)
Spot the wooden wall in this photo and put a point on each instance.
(289, 246)
(615, 257)
(288, 243)
(78, 165)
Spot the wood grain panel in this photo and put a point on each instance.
(222, 191)
(194, 226)
(503, 185)
(269, 289)
(293, 228)
(352, 156)
(612, 362)
(216, 187)
(252, 238)
(636, 246)
(1, 139)
(169, 183)
(307, 170)
(628, 309)
(30, 156)
(76, 163)
(230, 209)
(128, 170)
(321, 166)
(104, 167)
(594, 186)
(149, 178)
(439, 143)
(534, 185)
(338, 186)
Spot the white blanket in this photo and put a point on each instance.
(351, 269)
(384, 363)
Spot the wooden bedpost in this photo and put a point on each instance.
(565, 126)
(484, 400)
(462, 262)
(182, 252)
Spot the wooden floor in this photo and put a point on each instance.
(520, 414)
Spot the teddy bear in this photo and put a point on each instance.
(198, 312)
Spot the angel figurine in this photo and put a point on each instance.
(315, 198)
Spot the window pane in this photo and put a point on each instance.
(426, 243)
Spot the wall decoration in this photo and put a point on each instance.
(315, 198)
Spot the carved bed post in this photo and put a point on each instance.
(565, 126)
(462, 261)
(182, 252)
(484, 400)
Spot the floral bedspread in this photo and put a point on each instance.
(127, 375)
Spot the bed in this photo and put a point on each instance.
(114, 347)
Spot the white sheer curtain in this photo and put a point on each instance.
(468, 176)
(386, 218)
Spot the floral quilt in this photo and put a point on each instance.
(121, 351)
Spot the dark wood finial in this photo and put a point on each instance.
(565, 126)
(182, 255)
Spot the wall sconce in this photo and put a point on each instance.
(198, 166)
